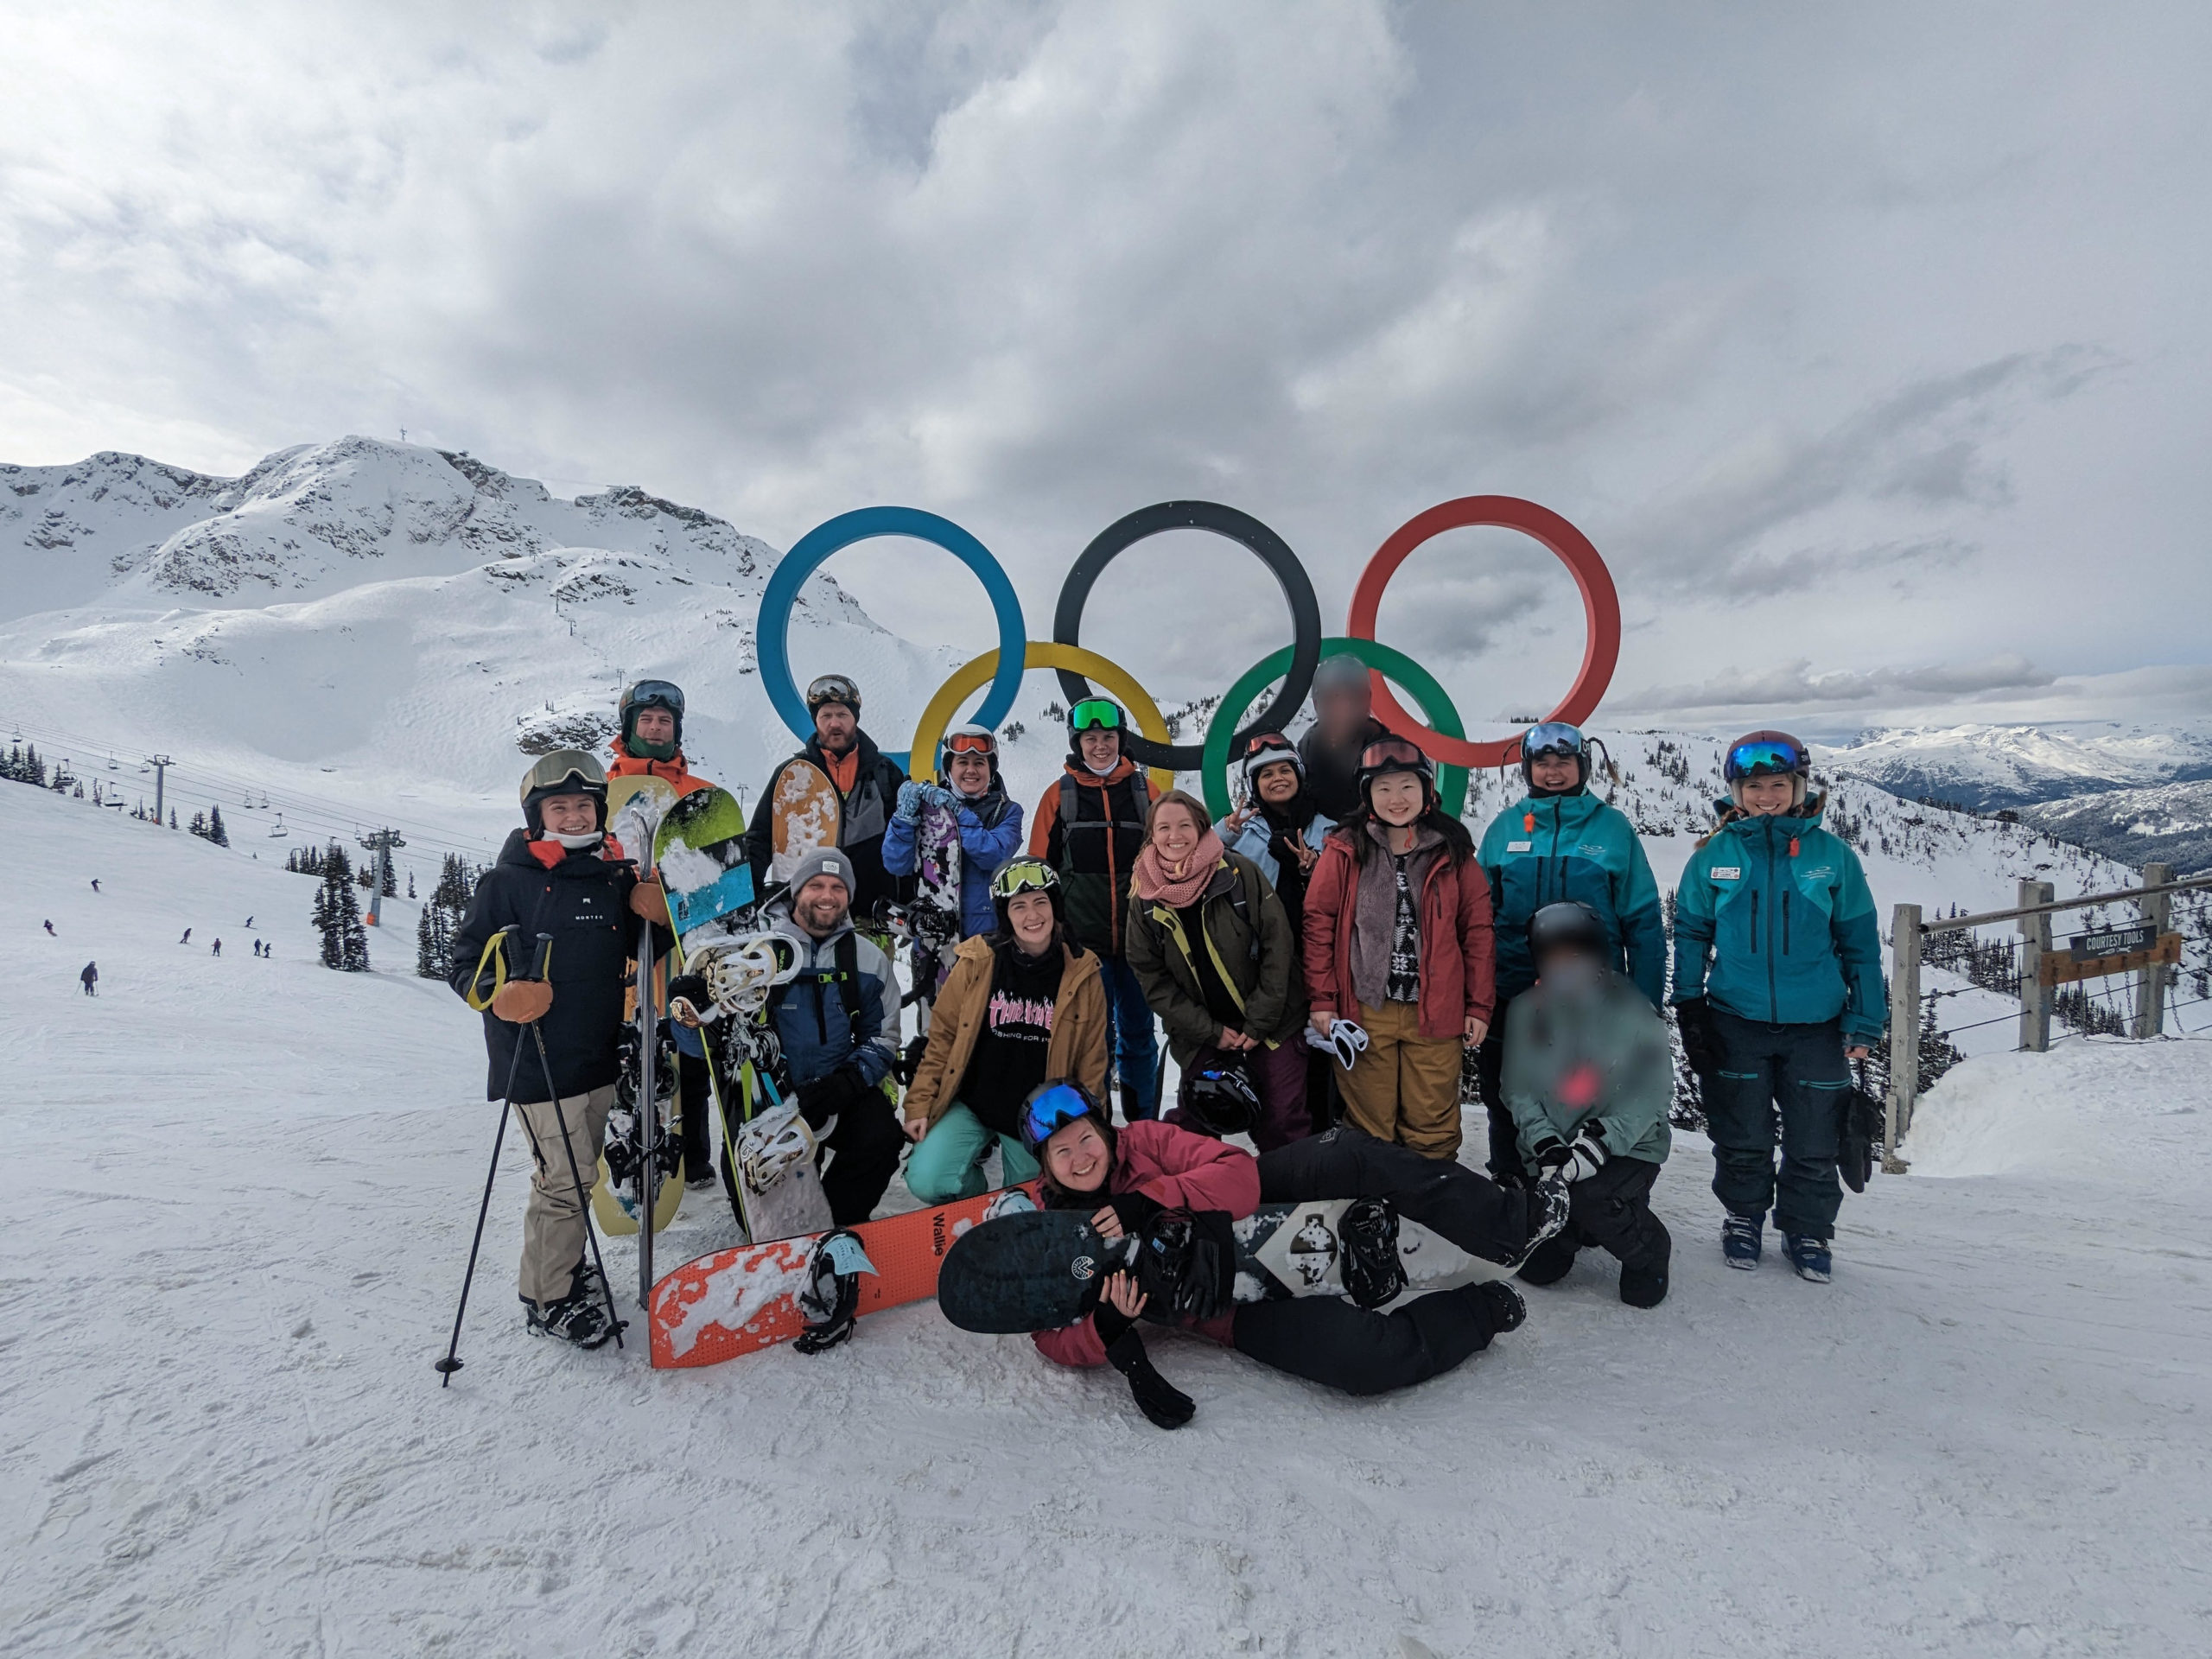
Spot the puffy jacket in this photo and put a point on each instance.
(990, 834)
(810, 1014)
(1091, 830)
(1774, 922)
(1601, 1052)
(1562, 848)
(1457, 964)
(1249, 938)
(582, 900)
(1182, 1171)
(1079, 1045)
(1256, 841)
(864, 813)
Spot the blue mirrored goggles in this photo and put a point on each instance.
(1051, 1108)
(1764, 759)
(1551, 737)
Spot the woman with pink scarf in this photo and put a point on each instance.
(1212, 946)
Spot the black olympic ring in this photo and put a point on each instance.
(1255, 537)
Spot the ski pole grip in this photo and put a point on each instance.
(541, 965)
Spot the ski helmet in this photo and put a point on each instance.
(1568, 925)
(972, 740)
(1394, 753)
(1556, 737)
(1021, 876)
(1094, 714)
(565, 772)
(833, 688)
(1054, 1104)
(643, 695)
(1766, 754)
(1270, 749)
(1220, 1099)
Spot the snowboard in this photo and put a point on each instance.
(614, 1194)
(699, 849)
(738, 1301)
(933, 914)
(804, 817)
(1042, 1270)
(635, 807)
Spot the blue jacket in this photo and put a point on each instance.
(1254, 840)
(809, 1012)
(1573, 847)
(990, 834)
(1774, 922)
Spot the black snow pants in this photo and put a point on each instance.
(700, 1129)
(1474, 1212)
(861, 1157)
(1334, 1343)
(1505, 1164)
(1799, 1074)
(1611, 1210)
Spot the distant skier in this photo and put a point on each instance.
(90, 979)
(1777, 983)
(187, 939)
(249, 922)
(96, 884)
(867, 789)
(216, 948)
(559, 875)
(49, 928)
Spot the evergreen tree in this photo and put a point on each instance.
(338, 915)
(172, 817)
(215, 830)
(199, 826)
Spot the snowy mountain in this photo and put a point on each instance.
(2171, 823)
(1987, 767)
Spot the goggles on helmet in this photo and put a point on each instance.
(1024, 875)
(1052, 1108)
(971, 743)
(1552, 737)
(1763, 757)
(1096, 715)
(648, 694)
(833, 688)
(1394, 753)
(565, 772)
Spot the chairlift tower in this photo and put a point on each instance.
(161, 764)
(381, 844)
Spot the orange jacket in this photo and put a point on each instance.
(674, 771)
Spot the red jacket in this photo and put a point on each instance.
(1182, 1171)
(1458, 964)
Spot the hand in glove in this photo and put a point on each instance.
(692, 1002)
(938, 794)
(1165, 1405)
(649, 900)
(1126, 1213)
(520, 1002)
(1571, 1162)
(1189, 1258)
(910, 1060)
(825, 1097)
(1701, 1043)
(909, 806)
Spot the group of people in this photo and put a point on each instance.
(1327, 962)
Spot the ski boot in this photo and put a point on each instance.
(1507, 1310)
(1809, 1256)
(829, 1300)
(577, 1318)
(1742, 1239)
(1373, 1272)
(1549, 1204)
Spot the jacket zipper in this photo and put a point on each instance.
(1773, 995)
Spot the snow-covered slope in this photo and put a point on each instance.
(243, 1192)
(2170, 822)
(1986, 768)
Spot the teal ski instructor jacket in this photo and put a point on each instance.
(1573, 847)
(1774, 922)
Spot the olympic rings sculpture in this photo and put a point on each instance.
(1443, 738)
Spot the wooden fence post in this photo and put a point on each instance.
(2035, 996)
(1904, 1033)
(2157, 910)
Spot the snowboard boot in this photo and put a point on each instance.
(1506, 1308)
(1549, 1204)
(1742, 1239)
(1374, 1273)
(1809, 1256)
(829, 1301)
(584, 1281)
(581, 1320)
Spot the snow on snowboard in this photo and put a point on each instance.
(1041, 1270)
(804, 817)
(739, 1300)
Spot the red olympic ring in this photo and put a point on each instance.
(1601, 609)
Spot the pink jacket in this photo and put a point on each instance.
(1458, 967)
(1182, 1171)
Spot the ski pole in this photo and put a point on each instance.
(452, 1361)
(561, 1123)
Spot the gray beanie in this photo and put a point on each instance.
(826, 861)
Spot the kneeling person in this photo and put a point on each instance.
(1588, 1077)
(1023, 1003)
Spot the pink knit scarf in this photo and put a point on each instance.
(1178, 888)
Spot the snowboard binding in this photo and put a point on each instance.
(829, 1302)
(771, 1144)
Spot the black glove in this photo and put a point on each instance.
(1588, 1152)
(910, 1060)
(1187, 1259)
(1701, 1042)
(1110, 1323)
(1136, 1211)
(692, 988)
(826, 1097)
(1548, 1155)
(1164, 1404)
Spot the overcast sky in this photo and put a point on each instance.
(1869, 344)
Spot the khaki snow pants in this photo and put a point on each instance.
(556, 1226)
(1405, 1087)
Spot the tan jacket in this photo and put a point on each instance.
(1079, 1046)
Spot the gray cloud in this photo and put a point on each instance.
(1795, 685)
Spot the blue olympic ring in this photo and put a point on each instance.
(772, 633)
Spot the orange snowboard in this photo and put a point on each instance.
(803, 818)
(738, 1300)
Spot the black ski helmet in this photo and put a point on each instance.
(565, 772)
(1392, 754)
(1555, 737)
(1568, 925)
(1220, 1099)
(833, 688)
(649, 693)
(1766, 754)
(1097, 714)
(1054, 1104)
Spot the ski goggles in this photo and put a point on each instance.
(1052, 1109)
(1552, 737)
(1096, 715)
(971, 743)
(1393, 753)
(565, 772)
(647, 693)
(1024, 875)
(1762, 757)
(833, 688)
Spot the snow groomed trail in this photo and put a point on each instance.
(240, 1200)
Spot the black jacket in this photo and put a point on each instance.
(1332, 773)
(584, 903)
(862, 817)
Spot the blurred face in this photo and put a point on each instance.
(1174, 835)
(1099, 747)
(836, 725)
(569, 815)
(1030, 916)
(1076, 1156)
(654, 726)
(1342, 709)
(1554, 772)
(1764, 797)
(819, 906)
(1277, 784)
(1396, 797)
(971, 773)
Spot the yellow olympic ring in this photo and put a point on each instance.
(1038, 653)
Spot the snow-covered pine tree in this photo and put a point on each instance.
(198, 825)
(216, 833)
(338, 915)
